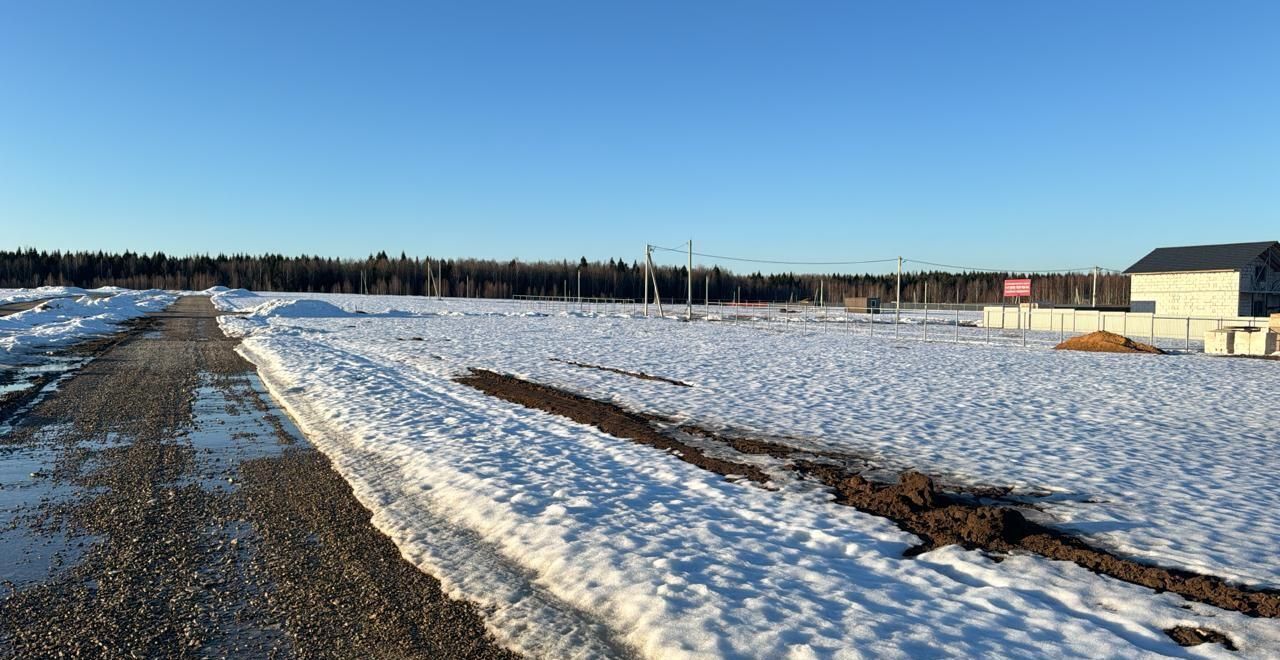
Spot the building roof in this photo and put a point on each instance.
(1228, 256)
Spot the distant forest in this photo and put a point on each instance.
(487, 278)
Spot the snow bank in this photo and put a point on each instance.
(297, 309)
(62, 321)
(553, 526)
(232, 300)
(38, 293)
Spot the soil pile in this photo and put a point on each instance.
(1106, 342)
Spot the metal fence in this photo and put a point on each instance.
(964, 323)
(556, 304)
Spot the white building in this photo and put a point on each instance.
(1235, 279)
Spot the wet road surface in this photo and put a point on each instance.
(158, 504)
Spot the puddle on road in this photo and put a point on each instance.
(26, 487)
(234, 419)
(44, 371)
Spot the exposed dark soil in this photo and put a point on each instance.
(277, 559)
(634, 374)
(1188, 636)
(605, 416)
(1106, 342)
(915, 503)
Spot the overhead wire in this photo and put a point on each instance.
(880, 261)
(1009, 270)
(783, 263)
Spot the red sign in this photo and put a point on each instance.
(1017, 288)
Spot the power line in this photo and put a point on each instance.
(1010, 270)
(1084, 269)
(674, 249)
(784, 263)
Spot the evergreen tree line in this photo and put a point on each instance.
(487, 278)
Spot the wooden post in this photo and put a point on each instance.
(924, 327)
(706, 294)
(688, 314)
(1093, 299)
(897, 304)
(646, 280)
(957, 313)
(653, 273)
(1024, 328)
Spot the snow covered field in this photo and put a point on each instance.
(573, 540)
(70, 315)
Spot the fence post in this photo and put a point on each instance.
(1024, 326)
(1188, 334)
(1062, 328)
(1153, 329)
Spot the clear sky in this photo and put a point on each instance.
(1027, 134)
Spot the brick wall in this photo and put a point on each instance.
(1214, 293)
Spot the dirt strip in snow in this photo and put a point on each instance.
(915, 503)
(605, 416)
(634, 374)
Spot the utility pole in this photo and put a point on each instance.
(897, 305)
(439, 278)
(688, 314)
(653, 272)
(1093, 300)
(647, 248)
(706, 295)
(579, 288)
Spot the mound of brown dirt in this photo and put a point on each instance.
(1106, 342)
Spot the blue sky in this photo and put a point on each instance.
(1002, 134)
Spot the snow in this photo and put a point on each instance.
(572, 541)
(232, 300)
(297, 309)
(65, 320)
(23, 295)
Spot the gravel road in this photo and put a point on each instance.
(14, 308)
(157, 504)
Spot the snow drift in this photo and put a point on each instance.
(62, 321)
